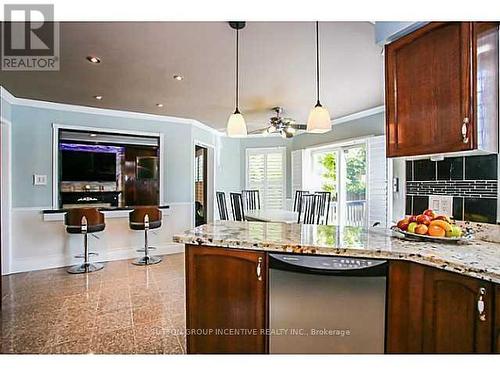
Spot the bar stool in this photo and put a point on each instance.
(84, 221)
(145, 218)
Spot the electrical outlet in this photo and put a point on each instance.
(441, 204)
(39, 179)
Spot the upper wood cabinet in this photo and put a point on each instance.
(226, 300)
(435, 311)
(442, 89)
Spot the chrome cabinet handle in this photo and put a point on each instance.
(480, 304)
(465, 127)
(259, 269)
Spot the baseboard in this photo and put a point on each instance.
(56, 261)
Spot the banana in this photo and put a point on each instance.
(443, 224)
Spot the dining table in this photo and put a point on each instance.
(272, 216)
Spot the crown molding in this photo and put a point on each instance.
(13, 100)
(358, 115)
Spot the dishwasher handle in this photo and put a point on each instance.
(306, 264)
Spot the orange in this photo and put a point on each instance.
(436, 231)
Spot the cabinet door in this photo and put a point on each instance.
(226, 290)
(428, 90)
(496, 335)
(451, 320)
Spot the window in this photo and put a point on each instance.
(199, 165)
(265, 171)
(342, 171)
(355, 174)
(106, 169)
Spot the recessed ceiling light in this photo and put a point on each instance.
(159, 105)
(98, 97)
(178, 77)
(94, 59)
(93, 134)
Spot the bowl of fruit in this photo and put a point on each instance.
(430, 226)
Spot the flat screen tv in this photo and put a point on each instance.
(88, 166)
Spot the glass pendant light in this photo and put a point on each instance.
(319, 118)
(236, 125)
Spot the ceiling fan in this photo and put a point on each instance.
(284, 126)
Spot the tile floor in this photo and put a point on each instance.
(122, 309)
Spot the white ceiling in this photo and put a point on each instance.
(277, 68)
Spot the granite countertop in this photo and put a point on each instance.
(476, 258)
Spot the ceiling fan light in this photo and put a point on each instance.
(236, 125)
(319, 120)
(290, 130)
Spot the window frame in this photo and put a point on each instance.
(265, 151)
(339, 148)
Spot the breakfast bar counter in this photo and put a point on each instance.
(476, 258)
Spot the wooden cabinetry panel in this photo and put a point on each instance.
(438, 78)
(451, 321)
(435, 311)
(428, 89)
(224, 293)
(404, 307)
(496, 333)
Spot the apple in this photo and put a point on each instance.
(411, 227)
(423, 219)
(429, 213)
(455, 231)
(421, 229)
(403, 224)
(412, 219)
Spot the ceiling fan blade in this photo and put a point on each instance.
(299, 126)
(258, 131)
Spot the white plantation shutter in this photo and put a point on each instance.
(297, 179)
(377, 181)
(266, 173)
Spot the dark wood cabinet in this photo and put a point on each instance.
(452, 322)
(442, 89)
(404, 307)
(496, 333)
(435, 311)
(226, 300)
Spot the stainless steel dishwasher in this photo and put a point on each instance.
(324, 304)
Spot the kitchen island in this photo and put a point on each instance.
(440, 297)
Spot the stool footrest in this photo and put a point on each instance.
(82, 256)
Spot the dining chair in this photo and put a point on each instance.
(298, 199)
(237, 206)
(251, 198)
(323, 205)
(221, 204)
(308, 214)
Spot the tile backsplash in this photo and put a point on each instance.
(472, 181)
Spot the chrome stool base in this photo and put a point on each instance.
(86, 268)
(144, 261)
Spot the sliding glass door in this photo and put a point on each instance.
(325, 176)
(342, 171)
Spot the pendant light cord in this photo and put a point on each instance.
(237, 69)
(317, 63)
